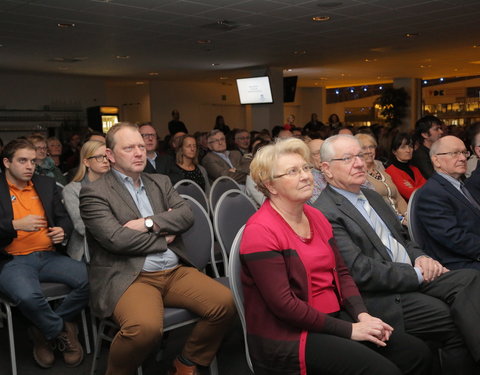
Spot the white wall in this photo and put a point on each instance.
(198, 104)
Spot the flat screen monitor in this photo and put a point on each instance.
(255, 90)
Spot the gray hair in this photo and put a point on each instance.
(327, 152)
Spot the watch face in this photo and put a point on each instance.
(149, 223)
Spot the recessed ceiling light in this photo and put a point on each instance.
(139, 83)
(123, 57)
(474, 62)
(369, 60)
(215, 64)
(411, 35)
(289, 70)
(223, 78)
(65, 25)
(300, 52)
(204, 41)
(320, 18)
(153, 74)
(1, 45)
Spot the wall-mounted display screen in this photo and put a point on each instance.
(255, 90)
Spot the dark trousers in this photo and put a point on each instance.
(447, 311)
(404, 354)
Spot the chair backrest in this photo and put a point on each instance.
(220, 186)
(412, 220)
(199, 238)
(191, 188)
(234, 269)
(233, 210)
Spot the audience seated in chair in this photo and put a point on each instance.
(138, 264)
(399, 283)
(221, 162)
(303, 312)
(93, 164)
(448, 215)
(428, 130)
(163, 164)
(33, 226)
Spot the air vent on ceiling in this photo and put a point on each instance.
(68, 59)
(221, 25)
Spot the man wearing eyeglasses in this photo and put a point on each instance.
(163, 164)
(221, 162)
(448, 215)
(241, 138)
(399, 283)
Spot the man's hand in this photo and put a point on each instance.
(137, 224)
(430, 268)
(30, 223)
(56, 234)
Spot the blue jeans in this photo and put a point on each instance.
(20, 281)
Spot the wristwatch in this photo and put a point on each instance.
(149, 224)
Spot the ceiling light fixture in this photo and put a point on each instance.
(139, 83)
(65, 25)
(215, 64)
(300, 52)
(411, 35)
(204, 41)
(289, 70)
(122, 57)
(223, 78)
(153, 74)
(320, 18)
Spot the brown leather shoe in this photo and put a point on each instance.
(178, 368)
(67, 342)
(42, 348)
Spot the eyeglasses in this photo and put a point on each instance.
(347, 159)
(149, 135)
(455, 154)
(41, 148)
(295, 171)
(242, 138)
(98, 158)
(219, 140)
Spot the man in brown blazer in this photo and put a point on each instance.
(138, 265)
(220, 162)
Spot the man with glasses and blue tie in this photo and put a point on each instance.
(448, 215)
(399, 283)
(221, 162)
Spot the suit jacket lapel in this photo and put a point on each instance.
(122, 192)
(455, 193)
(152, 190)
(46, 197)
(351, 211)
(5, 200)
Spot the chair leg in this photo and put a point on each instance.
(11, 339)
(86, 336)
(213, 368)
(97, 347)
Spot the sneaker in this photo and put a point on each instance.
(42, 348)
(68, 344)
(178, 368)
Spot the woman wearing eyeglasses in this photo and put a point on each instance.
(406, 177)
(379, 179)
(303, 311)
(93, 164)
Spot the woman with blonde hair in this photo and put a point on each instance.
(93, 164)
(303, 311)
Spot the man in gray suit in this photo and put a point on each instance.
(399, 284)
(138, 264)
(221, 162)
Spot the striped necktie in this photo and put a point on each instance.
(394, 248)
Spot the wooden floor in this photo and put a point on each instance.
(231, 357)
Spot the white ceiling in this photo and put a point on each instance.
(363, 42)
